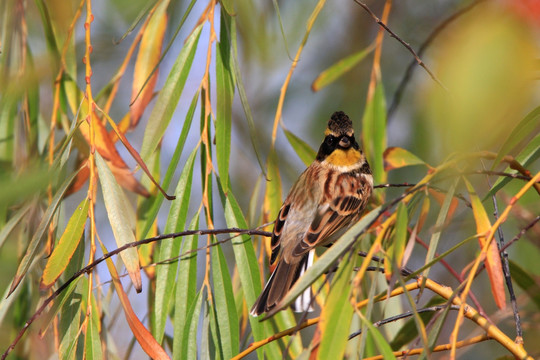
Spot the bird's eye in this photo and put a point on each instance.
(330, 140)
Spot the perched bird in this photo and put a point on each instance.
(324, 202)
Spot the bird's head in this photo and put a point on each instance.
(339, 147)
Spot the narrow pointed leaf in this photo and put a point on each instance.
(273, 196)
(12, 223)
(173, 163)
(148, 58)
(189, 343)
(397, 247)
(493, 258)
(169, 95)
(302, 149)
(227, 318)
(340, 68)
(40, 232)
(526, 282)
(170, 248)
(66, 247)
(243, 96)
(186, 291)
(225, 94)
(396, 157)
(248, 268)
(141, 333)
(380, 342)
(92, 341)
(441, 218)
(120, 223)
(106, 148)
(374, 133)
(523, 129)
(336, 315)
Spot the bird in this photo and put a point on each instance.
(327, 199)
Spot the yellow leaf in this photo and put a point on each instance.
(493, 258)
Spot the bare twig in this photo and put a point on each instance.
(407, 46)
(505, 267)
(405, 315)
(96, 262)
(521, 233)
(408, 73)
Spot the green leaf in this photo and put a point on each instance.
(441, 218)
(227, 318)
(14, 220)
(92, 340)
(248, 268)
(526, 282)
(214, 332)
(409, 331)
(523, 129)
(117, 210)
(39, 233)
(204, 352)
(228, 6)
(169, 95)
(272, 196)
(189, 343)
(173, 163)
(243, 97)
(170, 248)
(340, 68)
(186, 292)
(25, 185)
(225, 94)
(336, 316)
(374, 133)
(397, 247)
(380, 341)
(66, 246)
(303, 150)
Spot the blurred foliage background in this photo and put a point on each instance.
(197, 88)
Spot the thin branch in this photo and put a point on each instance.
(438, 348)
(405, 315)
(492, 331)
(408, 73)
(96, 262)
(521, 233)
(505, 267)
(407, 46)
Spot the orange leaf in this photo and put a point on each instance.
(141, 333)
(80, 178)
(493, 258)
(425, 211)
(396, 157)
(105, 147)
(147, 59)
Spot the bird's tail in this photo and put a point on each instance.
(279, 284)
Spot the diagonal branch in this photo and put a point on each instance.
(407, 46)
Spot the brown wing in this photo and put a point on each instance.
(339, 209)
(278, 228)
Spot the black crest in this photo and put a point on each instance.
(340, 123)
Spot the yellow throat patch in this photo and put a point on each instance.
(344, 157)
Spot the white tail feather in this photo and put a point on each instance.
(303, 301)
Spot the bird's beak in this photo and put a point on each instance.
(344, 142)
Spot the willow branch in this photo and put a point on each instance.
(407, 46)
